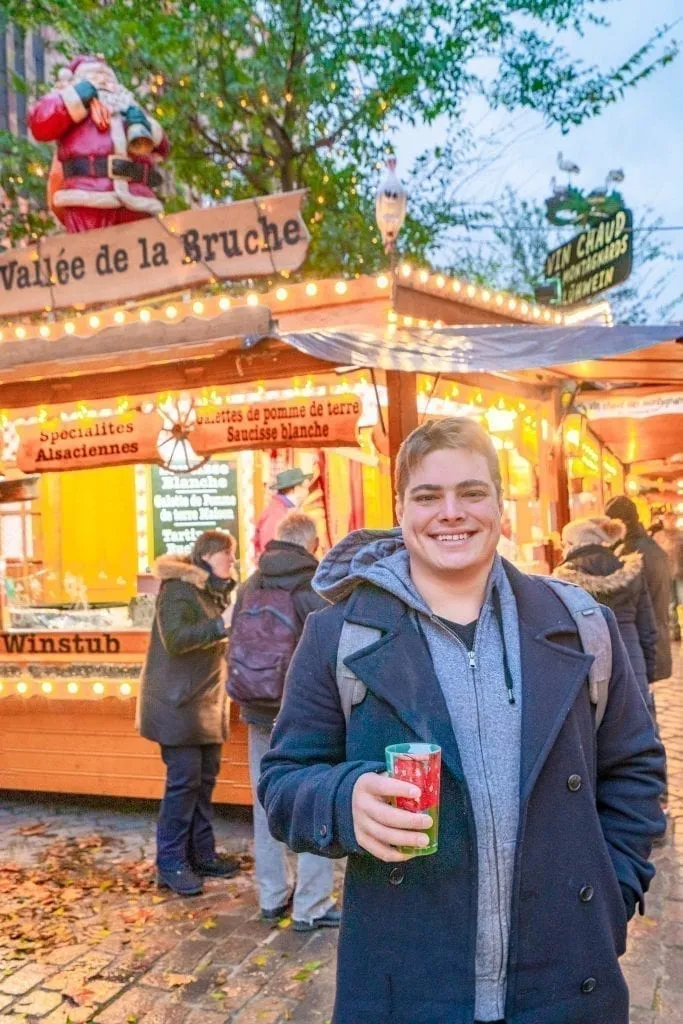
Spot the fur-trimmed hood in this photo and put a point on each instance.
(598, 570)
(180, 567)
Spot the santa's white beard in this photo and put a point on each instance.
(117, 99)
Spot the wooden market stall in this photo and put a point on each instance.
(222, 374)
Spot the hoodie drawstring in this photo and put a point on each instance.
(498, 612)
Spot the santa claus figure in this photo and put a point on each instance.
(107, 148)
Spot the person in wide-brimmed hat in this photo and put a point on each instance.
(619, 583)
(290, 489)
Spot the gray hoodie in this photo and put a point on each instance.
(478, 688)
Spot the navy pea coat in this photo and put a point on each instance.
(589, 811)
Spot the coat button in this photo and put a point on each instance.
(588, 985)
(396, 876)
(586, 893)
(323, 830)
(574, 783)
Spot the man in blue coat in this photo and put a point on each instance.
(546, 822)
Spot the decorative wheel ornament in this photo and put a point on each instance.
(179, 418)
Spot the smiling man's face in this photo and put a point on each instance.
(450, 513)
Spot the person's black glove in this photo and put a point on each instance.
(136, 116)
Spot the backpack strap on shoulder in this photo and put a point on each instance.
(354, 637)
(595, 639)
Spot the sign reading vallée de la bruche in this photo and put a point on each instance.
(185, 505)
(250, 238)
(593, 261)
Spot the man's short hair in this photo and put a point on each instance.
(435, 435)
(297, 528)
(211, 542)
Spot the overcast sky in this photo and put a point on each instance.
(643, 134)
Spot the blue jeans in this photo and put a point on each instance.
(184, 831)
(314, 875)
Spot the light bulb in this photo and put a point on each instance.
(20, 332)
(252, 299)
(145, 315)
(198, 307)
(281, 294)
(44, 331)
(512, 304)
(22, 687)
(69, 327)
(94, 322)
(224, 302)
(456, 286)
(440, 281)
(471, 291)
(311, 289)
(382, 281)
(119, 316)
(424, 276)
(341, 287)
(171, 312)
(125, 689)
(46, 687)
(98, 688)
(406, 270)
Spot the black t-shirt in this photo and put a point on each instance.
(464, 633)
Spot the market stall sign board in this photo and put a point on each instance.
(84, 645)
(251, 238)
(185, 505)
(88, 443)
(593, 261)
(312, 422)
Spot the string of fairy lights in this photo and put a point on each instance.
(296, 295)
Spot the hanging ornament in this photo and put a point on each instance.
(390, 206)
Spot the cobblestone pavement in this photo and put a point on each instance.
(85, 936)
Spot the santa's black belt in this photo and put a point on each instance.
(111, 167)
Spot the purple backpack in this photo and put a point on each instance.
(263, 638)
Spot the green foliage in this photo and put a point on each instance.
(24, 168)
(512, 258)
(261, 96)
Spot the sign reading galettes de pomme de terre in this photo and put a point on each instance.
(250, 238)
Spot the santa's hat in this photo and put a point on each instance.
(67, 73)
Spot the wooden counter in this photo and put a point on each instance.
(64, 742)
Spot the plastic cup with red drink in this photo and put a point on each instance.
(419, 764)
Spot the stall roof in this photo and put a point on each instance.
(581, 351)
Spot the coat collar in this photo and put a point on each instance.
(398, 669)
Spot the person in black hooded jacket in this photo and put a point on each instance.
(656, 570)
(287, 563)
(619, 583)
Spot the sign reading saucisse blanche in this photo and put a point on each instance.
(314, 422)
(132, 437)
(251, 238)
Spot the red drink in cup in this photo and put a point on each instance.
(419, 764)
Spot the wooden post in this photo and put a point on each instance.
(562, 510)
(401, 414)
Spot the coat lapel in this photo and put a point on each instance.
(398, 669)
(552, 674)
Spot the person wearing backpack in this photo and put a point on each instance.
(269, 616)
(551, 770)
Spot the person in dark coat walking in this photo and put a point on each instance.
(618, 583)
(287, 565)
(545, 825)
(183, 706)
(657, 575)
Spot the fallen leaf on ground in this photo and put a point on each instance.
(306, 972)
(176, 980)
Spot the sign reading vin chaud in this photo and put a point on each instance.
(597, 259)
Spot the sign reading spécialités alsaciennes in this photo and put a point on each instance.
(597, 259)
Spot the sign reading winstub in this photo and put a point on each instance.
(251, 238)
(597, 259)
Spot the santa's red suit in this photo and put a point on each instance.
(103, 183)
